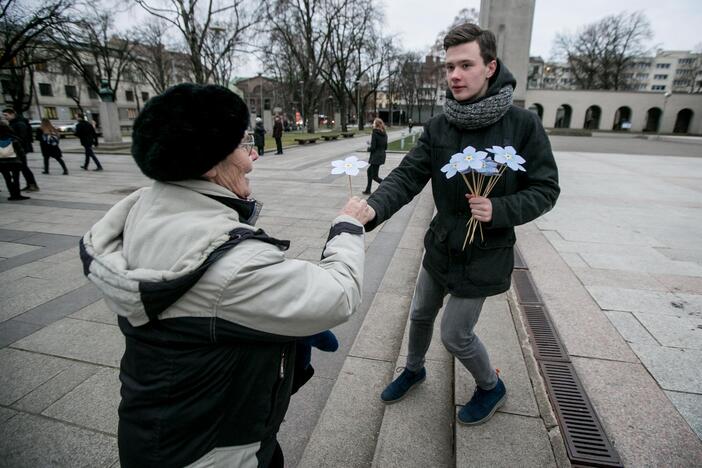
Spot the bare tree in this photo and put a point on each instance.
(300, 32)
(465, 15)
(152, 59)
(213, 30)
(350, 23)
(97, 51)
(18, 80)
(600, 53)
(22, 25)
(409, 80)
(374, 63)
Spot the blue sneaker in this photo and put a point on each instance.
(399, 387)
(483, 404)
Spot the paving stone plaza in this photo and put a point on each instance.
(618, 263)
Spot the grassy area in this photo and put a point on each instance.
(409, 142)
(289, 137)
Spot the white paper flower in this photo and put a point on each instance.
(348, 166)
(508, 155)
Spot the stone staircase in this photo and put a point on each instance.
(356, 429)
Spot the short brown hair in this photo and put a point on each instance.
(469, 32)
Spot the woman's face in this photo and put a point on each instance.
(232, 171)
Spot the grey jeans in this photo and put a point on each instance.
(459, 319)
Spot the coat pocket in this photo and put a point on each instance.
(491, 259)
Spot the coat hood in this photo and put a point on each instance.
(158, 239)
(502, 77)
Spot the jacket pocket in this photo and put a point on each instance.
(492, 259)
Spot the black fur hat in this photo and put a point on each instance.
(187, 130)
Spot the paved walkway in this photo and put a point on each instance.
(618, 264)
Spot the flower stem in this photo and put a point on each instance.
(350, 188)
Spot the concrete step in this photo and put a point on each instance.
(524, 431)
(347, 430)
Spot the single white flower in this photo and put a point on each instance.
(348, 166)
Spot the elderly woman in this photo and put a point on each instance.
(209, 306)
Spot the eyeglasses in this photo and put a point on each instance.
(248, 144)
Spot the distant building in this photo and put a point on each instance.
(668, 71)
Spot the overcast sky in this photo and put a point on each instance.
(676, 23)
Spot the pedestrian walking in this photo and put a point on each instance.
(48, 137)
(88, 138)
(259, 135)
(278, 134)
(213, 321)
(410, 124)
(23, 135)
(478, 112)
(378, 146)
(10, 164)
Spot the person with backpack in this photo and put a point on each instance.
(10, 164)
(23, 136)
(378, 146)
(48, 138)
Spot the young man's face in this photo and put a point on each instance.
(466, 73)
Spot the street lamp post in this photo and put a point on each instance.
(260, 84)
(302, 101)
(358, 103)
(665, 102)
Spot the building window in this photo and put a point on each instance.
(658, 88)
(45, 89)
(144, 96)
(75, 111)
(92, 94)
(131, 114)
(662, 65)
(129, 95)
(681, 82)
(686, 61)
(660, 77)
(41, 67)
(50, 113)
(70, 91)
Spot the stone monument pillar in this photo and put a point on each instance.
(109, 116)
(511, 21)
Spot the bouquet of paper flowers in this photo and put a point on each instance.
(481, 172)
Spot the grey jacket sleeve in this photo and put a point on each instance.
(267, 292)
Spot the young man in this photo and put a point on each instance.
(479, 113)
(23, 131)
(88, 138)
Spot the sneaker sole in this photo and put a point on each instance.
(498, 405)
(390, 402)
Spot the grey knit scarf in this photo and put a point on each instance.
(479, 114)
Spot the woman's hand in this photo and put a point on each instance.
(358, 208)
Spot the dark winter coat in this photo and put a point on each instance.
(23, 131)
(485, 267)
(379, 143)
(86, 134)
(259, 134)
(277, 129)
(46, 143)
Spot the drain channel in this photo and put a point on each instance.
(585, 440)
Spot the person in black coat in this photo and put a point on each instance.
(10, 165)
(259, 135)
(378, 146)
(48, 138)
(88, 138)
(478, 115)
(23, 133)
(278, 134)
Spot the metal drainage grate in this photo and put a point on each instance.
(519, 260)
(525, 287)
(586, 442)
(547, 344)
